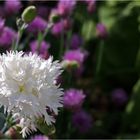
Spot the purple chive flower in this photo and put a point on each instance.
(43, 9)
(40, 137)
(37, 25)
(7, 37)
(58, 28)
(76, 41)
(43, 49)
(119, 96)
(75, 55)
(65, 7)
(82, 121)
(73, 99)
(101, 30)
(74, 59)
(12, 6)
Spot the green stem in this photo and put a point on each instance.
(20, 33)
(69, 128)
(68, 40)
(70, 83)
(7, 124)
(41, 37)
(99, 58)
(61, 45)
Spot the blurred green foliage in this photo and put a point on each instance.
(120, 62)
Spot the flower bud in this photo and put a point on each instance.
(70, 65)
(54, 17)
(44, 128)
(101, 31)
(13, 132)
(29, 14)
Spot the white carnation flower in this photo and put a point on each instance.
(28, 87)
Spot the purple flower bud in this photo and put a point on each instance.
(43, 49)
(82, 121)
(119, 96)
(40, 137)
(37, 25)
(76, 41)
(58, 28)
(73, 99)
(12, 6)
(7, 37)
(65, 7)
(101, 30)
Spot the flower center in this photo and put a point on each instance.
(21, 88)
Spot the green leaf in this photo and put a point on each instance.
(131, 118)
(88, 30)
(107, 16)
(121, 47)
(44, 128)
(130, 107)
(2, 120)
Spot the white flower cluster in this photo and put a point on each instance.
(28, 87)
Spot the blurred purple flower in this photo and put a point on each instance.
(82, 121)
(12, 6)
(75, 55)
(37, 25)
(73, 99)
(2, 22)
(39, 137)
(91, 5)
(119, 96)
(65, 7)
(76, 41)
(43, 11)
(77, 58)
(7, 37)
(58, 28)
(101, 30)
(43, 49)
(67, 23)
(2, 14)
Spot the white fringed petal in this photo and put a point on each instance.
(27, 87)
